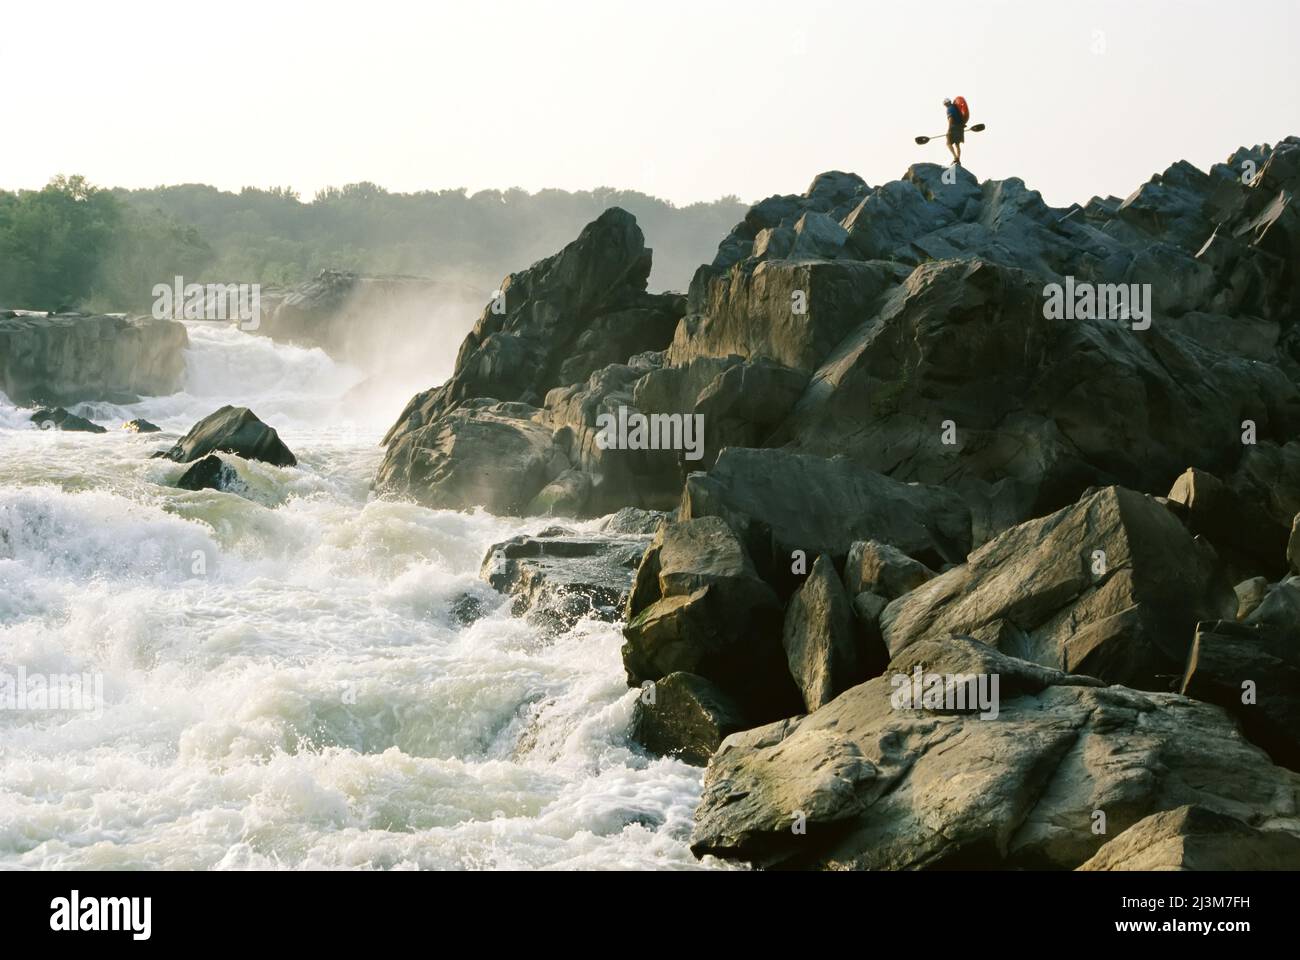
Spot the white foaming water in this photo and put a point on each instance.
(285, 684)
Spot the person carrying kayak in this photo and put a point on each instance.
(956, 129)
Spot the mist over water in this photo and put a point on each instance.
(285, 682)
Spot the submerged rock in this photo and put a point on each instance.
(211, 473)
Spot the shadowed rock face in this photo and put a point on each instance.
(886, 787)
(69, 358)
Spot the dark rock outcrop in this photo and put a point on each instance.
(1252, 670)
(141, 425)
(234, 430)
(60, 419)
(71, 358)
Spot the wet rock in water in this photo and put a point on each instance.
(880, 784)
(141, 426)
(686, 716)
(234, 430)
(558, 577)
(1193, 837)
(211, 473)
(59, 419)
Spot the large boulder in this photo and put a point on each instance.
(234, 430)
(1112, 586)
(875, 780)
(496, 455)
(70, 358)
(1193, 837)
(785, 501)
(699, 606)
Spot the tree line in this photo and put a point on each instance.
(72, 245)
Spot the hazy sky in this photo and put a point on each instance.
(685, 100)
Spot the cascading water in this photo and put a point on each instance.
(285, 682)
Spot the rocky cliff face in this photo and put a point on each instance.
(941, 426)
(68, 358)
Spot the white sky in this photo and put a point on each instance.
(685, 100)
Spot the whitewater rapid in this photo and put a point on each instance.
(285, 683)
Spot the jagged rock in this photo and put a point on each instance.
(821, 643)
(556, 323)
(1279, 608)
(141, 426)
(1193, 837)
(234, 430)
(1111, 586)
(60, 419)
(878, 786)
(790, 312)
(559, 577)
(1293, 545)
(210, 473)
(70, 358)
(1247, 539)
(1268, 474)
(698, 605)
(1038, 409)
(784, 501)
(1252, 670)
(687, 717)
(817, 237)
(882, 569)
